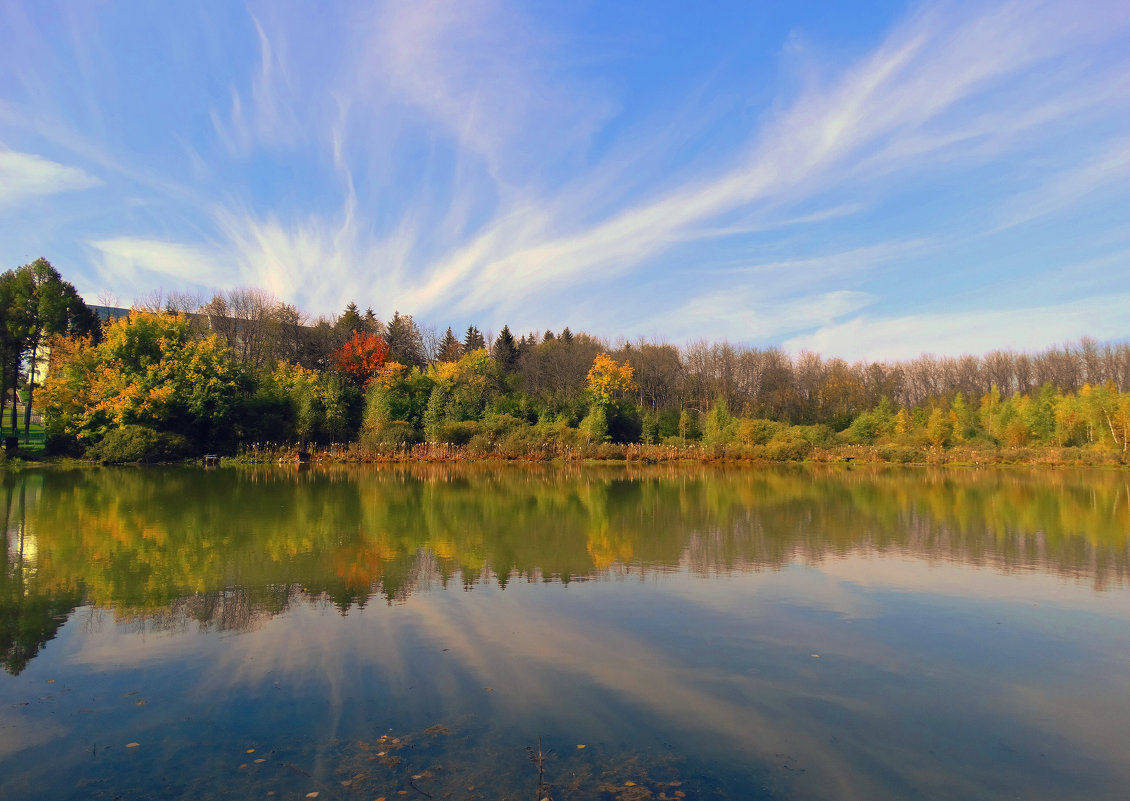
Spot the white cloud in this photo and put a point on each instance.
(25, 175)
(744, 318)
(486, 235)
(483, 71)
(268, 116)
(909, 103)
(1062, 190)
(144, 264)
(1106, 317)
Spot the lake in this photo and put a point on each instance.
(526, 632)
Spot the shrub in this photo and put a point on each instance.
(900, 454)
(62, 445)
(792, 449)
(559, 433)
(390, 436)
(864, 430)
(456, 433)
(819, 434)
(501, 424)
(480, 445)
(133, 443)
(758, 431)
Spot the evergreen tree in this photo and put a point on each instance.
(566, 335)
(549, 336)
(370, 323)
(406, 345)
(473, 339)
(349, 321)
(505, 350)
(449, 349)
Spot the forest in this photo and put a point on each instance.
(245, 374)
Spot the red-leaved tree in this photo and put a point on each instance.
(362, 357)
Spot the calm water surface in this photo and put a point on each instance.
(663, 633)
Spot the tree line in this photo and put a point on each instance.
(180, 374)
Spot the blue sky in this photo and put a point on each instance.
(866, 180)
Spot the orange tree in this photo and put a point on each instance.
(361, 358)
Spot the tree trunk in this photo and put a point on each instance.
(30, 389)
(15, 394)
(3, 391)
(1110, 423)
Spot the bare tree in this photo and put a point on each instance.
(249, 320)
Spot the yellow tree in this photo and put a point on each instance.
(939, 428)
(148, 370)
(990, 407)
(609, 381)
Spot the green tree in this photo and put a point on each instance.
(720, 426)
(473, 339)
(505, 350)
(405, 343)
(990, 411)
(321, 406)
(595, 424)
(348, 322)
(962, 417)
(1040, 417)
(397, 394)
(38, 304)
(688, 425)
(449, 348)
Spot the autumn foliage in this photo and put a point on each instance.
(362, 357)
(609, 381)
(148, 370)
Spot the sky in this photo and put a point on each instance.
(867, 180)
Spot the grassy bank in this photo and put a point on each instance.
(357, 453)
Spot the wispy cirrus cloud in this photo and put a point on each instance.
(1066, 188)
(891, 338)
(134, 263)
(485, 71)
(25, 175)
(467, 162)
(263, 114)
(909, 103)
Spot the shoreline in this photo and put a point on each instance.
(607, 454)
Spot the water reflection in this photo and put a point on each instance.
(224, 547)
(806, 633)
